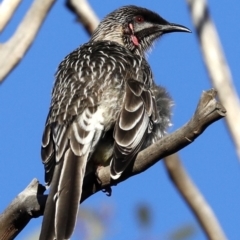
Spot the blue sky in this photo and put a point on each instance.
(176, 61)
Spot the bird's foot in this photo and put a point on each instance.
(107, 189)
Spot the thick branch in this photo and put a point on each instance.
(193, 197)
(217, 66)
(7, 9)
(31, 201)
(15, 48)
(207, 112)
(28, 204)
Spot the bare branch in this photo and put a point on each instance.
(15, 48)
(28, 204)
(193, 197)
(7, 9)
(207, 112)
(84, 13)
(31, 201)
(217, 66)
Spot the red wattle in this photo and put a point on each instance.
(134, 40)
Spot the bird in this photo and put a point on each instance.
(105, 108)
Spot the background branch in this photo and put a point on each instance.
(85, 14)
(7, 9)
(217, 66)
(194, 198)
(15, 48)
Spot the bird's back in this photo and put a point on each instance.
(96, 68)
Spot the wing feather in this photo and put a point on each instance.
(132, 126)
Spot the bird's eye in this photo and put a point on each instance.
(139, 19)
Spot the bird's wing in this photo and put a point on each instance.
(73, 126)
(134, 123)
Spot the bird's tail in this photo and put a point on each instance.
(63, 201)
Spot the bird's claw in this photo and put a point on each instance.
(108, 191)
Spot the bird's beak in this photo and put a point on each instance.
(172, 27)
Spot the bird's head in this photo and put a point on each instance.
(134, 27)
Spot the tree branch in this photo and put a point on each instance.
(217, 66)
(7, 9)
(193, 197)
(84, 13)
(18, 212)
(207, 112)
(15, 48)
(28, 204)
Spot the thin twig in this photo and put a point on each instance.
(217, 66)
(15, 48)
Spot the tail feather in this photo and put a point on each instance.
(62, 205)
(48, 229)
(69, 193)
